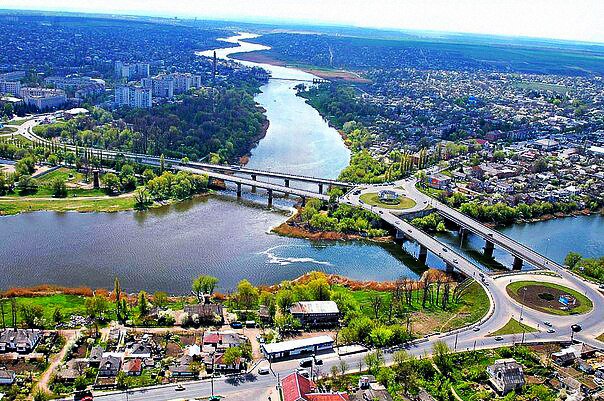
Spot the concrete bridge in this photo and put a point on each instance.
(494, 238)
(313, 81)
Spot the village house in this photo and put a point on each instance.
(295, 387)
(133, 367)
(206, 313)
(110, 366)
(7, 377)
(316, 313)
(19, 340)
(96, 354)
(183, 369)
(506, 375)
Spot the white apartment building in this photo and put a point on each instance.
(131, 71)
(12, 87)
(161, 85)
(185, 81)
(133, 96)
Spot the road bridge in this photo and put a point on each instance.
(494, 238)
(313, 81)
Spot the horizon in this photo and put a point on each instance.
(587, 28)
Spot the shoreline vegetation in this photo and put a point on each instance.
(435, 302)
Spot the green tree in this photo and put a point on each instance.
(59, 188)
(32, 315)
(232, 355)
(143, 307)
(572, 258)
(160, 299)
(111, 183)
(374, 361)
(246, 297)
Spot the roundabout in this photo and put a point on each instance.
(387, 200)
(551, 298)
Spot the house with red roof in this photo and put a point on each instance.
(295, 387)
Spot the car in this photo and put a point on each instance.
(601, 286)
(180, 387)
(263, 371)
(551, 331)
(498, 338)
(476, 328)
(445, 250)
(306, 362)
(548, 324)
(303, 372)
(380, 212)
(318, 361)
(236, 325)
(455, 260)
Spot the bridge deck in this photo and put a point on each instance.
(497, 238)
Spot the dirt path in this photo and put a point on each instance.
(69, 335)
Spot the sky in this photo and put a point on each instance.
(557, 19)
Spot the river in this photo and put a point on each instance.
(162, 249)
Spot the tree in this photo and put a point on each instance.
(376, 304)
(142, 199)
(374, 361)
(143, 307)
(204, 284)
(26, 184)
(284, 300)
(572, 258)
(160, 299)
(57, 316)
(246, 297)
(80, 383)
(111, 183)
(31, 315)
(25, 166)
(232, 355)
(162, 163)
(442, 357)
(59, 188)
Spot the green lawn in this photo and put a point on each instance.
(7, 130)
(21, 205)
(68, 304)
(601, 337)
(373, 199)
(585, 303)
(513, 327)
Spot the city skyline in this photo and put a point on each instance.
(540, 19)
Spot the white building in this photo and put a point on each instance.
(292, 348)
(43, 98)
(185, 81)
(12, 87)
(133, 96)
(161, 85)
(131, 71)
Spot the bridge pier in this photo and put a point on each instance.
(488, 249)
(517, 263)
(450, 268)
(303, 201)
(253, 186)
(463, 233)
(320, 188)
(423, 254)
(270, 197)
(286, 182)
(239, 190)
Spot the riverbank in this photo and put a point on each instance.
(271, 58)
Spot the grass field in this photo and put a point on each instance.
(67, 304)
(531, 299)
(28, 204)
(513, 327)
(473, 305)
(373, 199)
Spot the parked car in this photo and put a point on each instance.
(263, 371)
(180, 387)
(306, 362)
(236, 325)
(303, 372)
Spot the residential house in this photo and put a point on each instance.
(215, 362)
(295, 387)
(206, 313)
(133, 367)
(19, 340)
(183, 368)
(109, 366)
(7, 377)
(506, 375)
(316, 313)
(96, 354)
(439, 181)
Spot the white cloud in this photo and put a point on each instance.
(561, 19)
